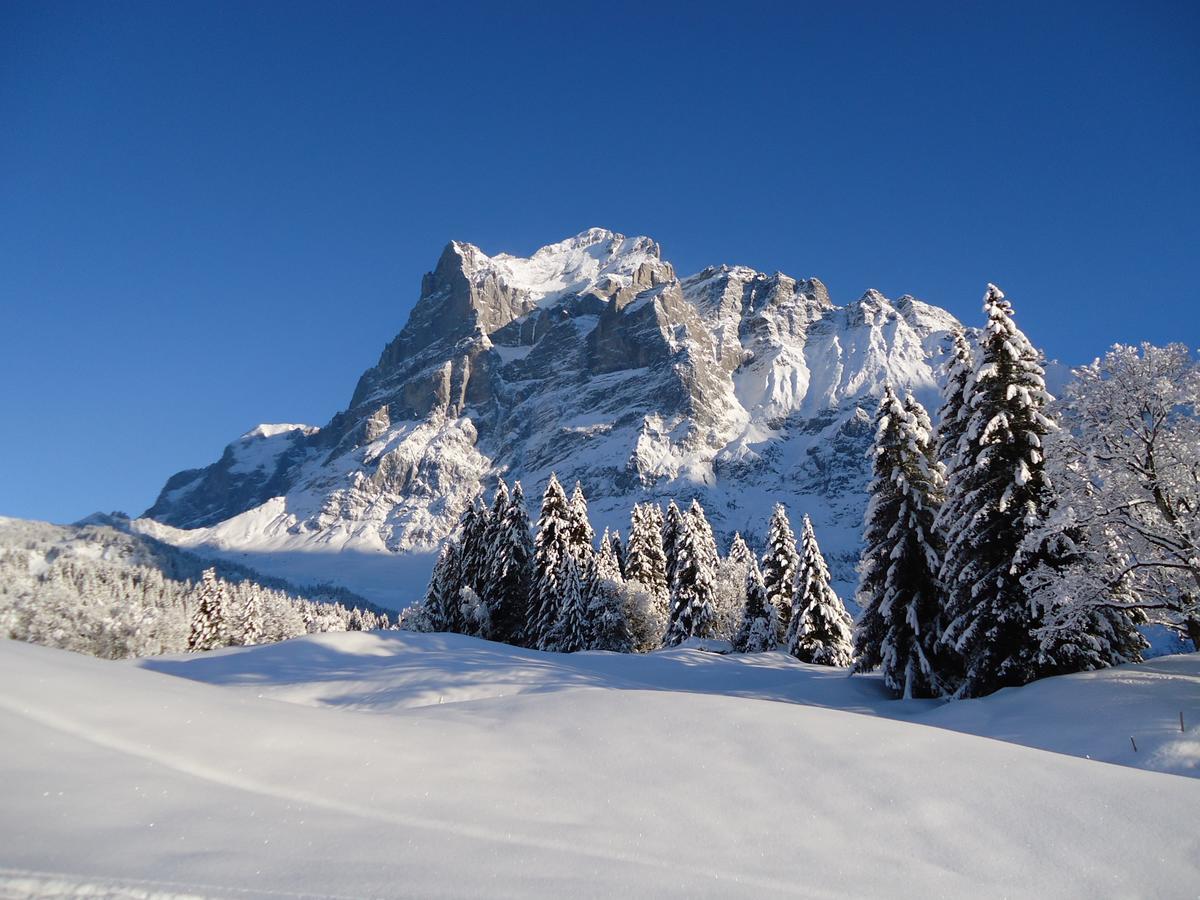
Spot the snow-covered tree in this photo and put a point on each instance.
(607, 614)
(250, 616)
(477, 618)
(729, 597)
(511, 579)
(1127, 471)
(671, 526)
(759, 625)
(618, 550)
(692, 613)
(779, 567)
(572, 630)
(997, 494)
(739, 552)
(820, 629)
(210, 626)
(442, 596)
(952, 417)
(475, 533)
(646, 615)
(582, 535)
(900, 628)
(645, 559)
(551, 547)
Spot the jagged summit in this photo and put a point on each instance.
(592, 358)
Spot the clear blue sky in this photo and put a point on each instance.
(214, 215)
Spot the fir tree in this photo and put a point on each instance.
(618, 550)
(210, 629)
(740, 553)
(997, 494)
(759, 625)
(511, 578)
(692, 613)
(581, 534)
(779, 567)
(442, 596)
(672, 523)
(250, 619)
(552, 545)
(901, 622)
(475, 532)
(645, 560)
(607, 617)
(952, 418)
(571, 632)
(820, 630)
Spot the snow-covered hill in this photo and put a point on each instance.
(393, 764)
(590, 358)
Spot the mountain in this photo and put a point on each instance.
(591, 358)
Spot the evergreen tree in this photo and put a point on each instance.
(571, 632)
(996, 496)
(692, 613)
(607, 617)
(779, 568)
(901, 622)
(952, 418)
(672, 523)
(581, 534)
(645, 560)
(511, 579)
(442, 596)
(475, 531)
(759, 624)
(551, 547)
(618, 550)
(740, 553)
(820, 630)
(250, 619)
(210, 629)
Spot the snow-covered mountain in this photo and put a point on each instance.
(593, 359)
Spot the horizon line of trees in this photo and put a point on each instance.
(1016, 540)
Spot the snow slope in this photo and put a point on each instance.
(550, 776)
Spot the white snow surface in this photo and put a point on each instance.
(395, 764)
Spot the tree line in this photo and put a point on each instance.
(1019, 539)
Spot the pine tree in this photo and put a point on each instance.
(442, 596)
(581, 534)
(672, 524)
(551, 547)
(740, 553)
(779, 567)
(250, 619)
(645, 560)
(952, 418)
(997, 494)
(692, 612)
(511, 578)
(759, 625)
(475, 530)
(820, 630)
(618, 550)
(901, 622)
(210, 629)
(571, 632)
(607, 617)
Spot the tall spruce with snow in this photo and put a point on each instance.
(607, 615)
(551, 547)
(740, 552)
(692, 613)
(759, 625)
(645, 560)
(572, 630)
(821, 630)
(997, 494)
(210, 628)
(475, 532)
(671, 526)
(512, 562)
(952, 418)
(441, 604)
(618, 550)
(779, 568)
(900, 628)
(250, 617)
(582, 535)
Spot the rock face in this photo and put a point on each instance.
(590, 358)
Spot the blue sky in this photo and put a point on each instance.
(214, 215)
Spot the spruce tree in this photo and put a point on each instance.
(607, 617)
(250, 619)
(551, 547)
(581, 533)
(210, 629)
(952, 418)
(618, 550)
(571, 632)
(757, 632)
(900, 627)
(645, 560)
(511, 578)
(740, 553)
(672, 523)
(779, 568)
(692, 612)
(442, 596)
(997, 495)
(475, 533)
(820, 630)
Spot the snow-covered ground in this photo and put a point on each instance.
(394, 764)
